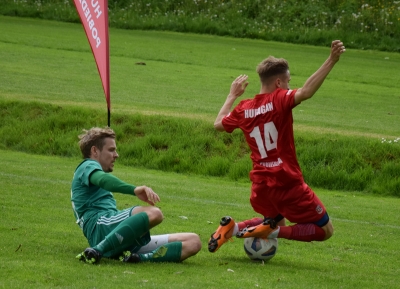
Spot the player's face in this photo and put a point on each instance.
(107, 156)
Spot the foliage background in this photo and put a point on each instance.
(39, 251)
(328, 161)
(193, 147)
(361, 24)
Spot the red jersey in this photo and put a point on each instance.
(267, 123)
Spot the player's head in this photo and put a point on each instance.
(99, 144)
(274, 71)
(94, 137)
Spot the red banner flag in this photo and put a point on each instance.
(94, 18)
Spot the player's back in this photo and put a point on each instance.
(266, 121)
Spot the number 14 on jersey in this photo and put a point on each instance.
(270, 138)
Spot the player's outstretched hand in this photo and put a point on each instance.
(337, 48)
(238, 86)
(147, 195)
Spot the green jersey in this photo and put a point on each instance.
(89, 201)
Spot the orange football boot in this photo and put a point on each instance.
(260, 231)
(222, 235)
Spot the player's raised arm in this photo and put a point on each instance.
(237, 89)
(314, 82)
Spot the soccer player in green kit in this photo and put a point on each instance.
(113, 233)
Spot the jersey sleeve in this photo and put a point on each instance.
(87, 168)
(287, 99)
(231, 121)
(111, 183)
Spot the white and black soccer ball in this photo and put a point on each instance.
(260, 249)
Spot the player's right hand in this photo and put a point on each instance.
(239, 86)
(147, 195)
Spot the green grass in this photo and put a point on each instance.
(40, 239)
(193, 146)
(191, 74)
(50, 90)
(186, 81)
(362, 25)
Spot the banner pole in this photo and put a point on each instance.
(94, 18)
(109, 115)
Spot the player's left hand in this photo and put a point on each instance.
(147, 195)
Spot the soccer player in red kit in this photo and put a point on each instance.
(278, 190)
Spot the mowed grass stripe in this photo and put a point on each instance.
(190, 75)
(40, 239)
(45, 229)
(237, 193)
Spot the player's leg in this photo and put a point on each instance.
(263, 230)
(309, 214)
(305, 232)
(263, 202)
(223, 233)
(328, 229)
(154, 214)
(99, 230)
(166, 248)
(228, 228)
(191, 243)
(248, 223)
(134, 230)
(300, 205)
(115, 233)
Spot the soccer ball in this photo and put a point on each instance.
(260, 249)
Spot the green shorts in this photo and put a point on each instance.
(106, 223)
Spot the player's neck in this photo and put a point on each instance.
(267, 89)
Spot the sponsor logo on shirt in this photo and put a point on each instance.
(271, 164)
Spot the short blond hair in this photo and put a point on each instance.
(94, 137)
(271, 67)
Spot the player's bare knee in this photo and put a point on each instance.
(155, 215)
(191, 245)
(328, 228)
(196, 242)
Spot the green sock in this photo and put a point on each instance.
(170, 252)
(126, 235)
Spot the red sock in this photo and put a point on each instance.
(302, 232)
(250, 223)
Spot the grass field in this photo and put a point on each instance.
(190, 75)
(40, 239)
(187, 76)
(370, 25)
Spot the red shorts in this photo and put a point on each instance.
(298, 204)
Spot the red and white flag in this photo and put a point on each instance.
(94, 18)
